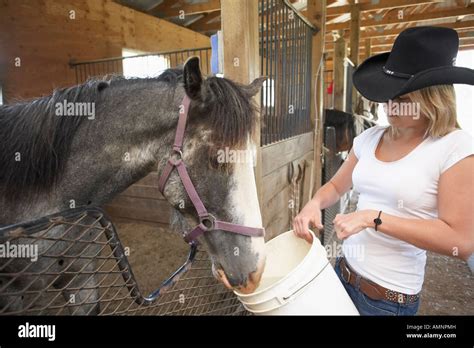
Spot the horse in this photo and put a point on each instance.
(50, 159)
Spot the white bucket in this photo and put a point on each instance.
(298, 280)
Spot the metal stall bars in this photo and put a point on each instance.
(73, 263)
(285, 51)
(141, 65)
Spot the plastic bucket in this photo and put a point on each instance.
(298, 280)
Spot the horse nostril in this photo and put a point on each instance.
(235, 281)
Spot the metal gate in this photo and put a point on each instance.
(285, 52)
(153, 64)
(80, 267)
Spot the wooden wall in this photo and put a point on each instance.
(45, 37)
(276, 190)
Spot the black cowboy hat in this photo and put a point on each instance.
(420, 57)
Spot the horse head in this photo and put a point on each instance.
(218, 153)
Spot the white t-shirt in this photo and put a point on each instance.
(406, 188)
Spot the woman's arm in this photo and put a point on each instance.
(451, 234)
(326, 196)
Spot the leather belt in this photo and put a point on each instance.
(373, 290)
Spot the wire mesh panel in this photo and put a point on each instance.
(285, 52)
(141, 65)
(332, 162)
(73, 263)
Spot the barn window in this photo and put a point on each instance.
(269, 93)
(146, 66)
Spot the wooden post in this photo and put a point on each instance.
(339, 72)
(316, 14)
(354, 34)
(241, 57)
(354, 44)
(367, 46)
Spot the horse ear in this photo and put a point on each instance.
(192, 78)
(255, 86)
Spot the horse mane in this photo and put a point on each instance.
(35, 142)
(231, 110)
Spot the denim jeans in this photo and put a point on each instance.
(366, 306)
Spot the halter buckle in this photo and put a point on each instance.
(176, 157)
(208, 221)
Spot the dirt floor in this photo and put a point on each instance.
(448, 287)
(155, 253)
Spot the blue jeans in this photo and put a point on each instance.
(366, 306)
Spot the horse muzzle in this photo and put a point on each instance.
(243, 283)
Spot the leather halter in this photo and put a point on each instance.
(207, 222)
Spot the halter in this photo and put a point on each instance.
(207, 222)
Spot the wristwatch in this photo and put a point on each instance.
(377, 220)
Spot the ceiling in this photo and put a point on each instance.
(380, 20)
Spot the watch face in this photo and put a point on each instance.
(377, 221)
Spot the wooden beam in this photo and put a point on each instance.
(316, 14)
(241, 57)
(354, 33)
(162, 6)
(339, 73)
(375, 42)
(354, 47)
(179, 7)
(202, 24)
(367, 46)
(376, 5)
(393, 18)
(380, 32)
(460, 25)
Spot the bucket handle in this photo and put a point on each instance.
(287, 298)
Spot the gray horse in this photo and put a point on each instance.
(50, 159)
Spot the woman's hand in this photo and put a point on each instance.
(309, 215)
(346, 225)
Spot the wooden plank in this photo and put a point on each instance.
(280, 154)
(378, 42)
(187, 9)
(277, 225)
(277, 205)
(354, 34)
(316, 14)
(377, 5)
(141, 208)
(354, 47)
(367, 46)
(393, 18)
(339, 74)
(275, 181)
(202, 24)
(381, 32)
(143, 191)
(137, 215)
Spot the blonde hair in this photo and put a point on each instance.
(438, 105)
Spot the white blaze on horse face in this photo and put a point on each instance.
(244, 199)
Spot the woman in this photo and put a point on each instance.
(415, 177)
